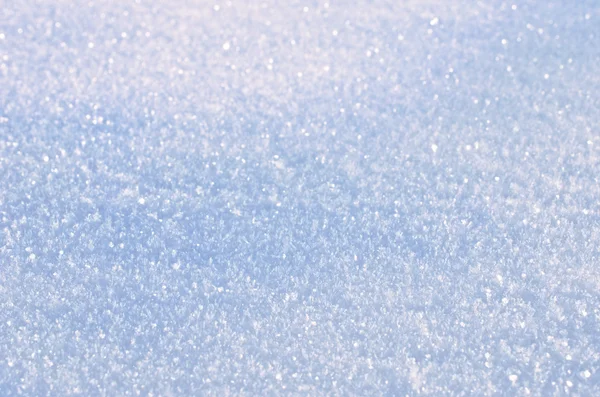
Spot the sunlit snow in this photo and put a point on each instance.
(355, 198)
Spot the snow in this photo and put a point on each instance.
(364, 197)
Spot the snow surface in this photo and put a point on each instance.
(366, 197)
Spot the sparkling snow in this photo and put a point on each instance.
(366, 197)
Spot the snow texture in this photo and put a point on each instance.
(361, 197)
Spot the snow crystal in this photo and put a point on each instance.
(366, 197)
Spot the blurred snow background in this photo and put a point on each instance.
(299, 197)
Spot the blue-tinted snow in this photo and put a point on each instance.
(299, 198)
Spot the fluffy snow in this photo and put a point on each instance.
(366, 197)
